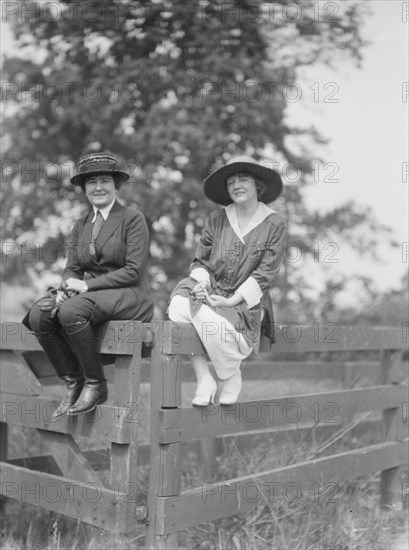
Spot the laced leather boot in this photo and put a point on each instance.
(74, 384)
(94, 392)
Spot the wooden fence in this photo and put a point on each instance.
(115, 503)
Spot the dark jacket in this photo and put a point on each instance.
(121, 260)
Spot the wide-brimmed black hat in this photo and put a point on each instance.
(215, 184)
(98, 163)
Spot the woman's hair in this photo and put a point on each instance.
(261, 188)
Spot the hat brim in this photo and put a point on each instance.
(79, 179)
(216, 189)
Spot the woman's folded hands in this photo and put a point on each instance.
(69, 288)
(201, 292)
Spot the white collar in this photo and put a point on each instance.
(104, 211)
(260, 215)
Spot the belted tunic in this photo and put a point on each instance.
(239, 261)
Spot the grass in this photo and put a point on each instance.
(310, 521)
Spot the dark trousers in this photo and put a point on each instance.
(69, 338)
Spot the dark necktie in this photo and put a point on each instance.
(96, 228)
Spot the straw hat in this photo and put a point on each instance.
(215, 186)
(98, 163)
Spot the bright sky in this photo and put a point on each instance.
(368, 133)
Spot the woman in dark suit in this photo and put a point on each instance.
(105, 278)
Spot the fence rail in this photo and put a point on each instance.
(81, 492)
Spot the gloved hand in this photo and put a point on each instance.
(49, 302)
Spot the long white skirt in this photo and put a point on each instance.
(225, 346)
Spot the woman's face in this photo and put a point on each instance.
(242, 188)
(100, 190)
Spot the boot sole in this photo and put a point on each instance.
(75, 413)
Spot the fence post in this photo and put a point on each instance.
(392, 430)
(3, 441)
(208, 446)
(165, 460)
(3, 453)
(124, 457)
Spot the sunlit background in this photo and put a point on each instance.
(362, 113)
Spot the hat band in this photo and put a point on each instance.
(99, 167)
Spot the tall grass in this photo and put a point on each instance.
(353, 521)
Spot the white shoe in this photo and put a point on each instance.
(231, 389)
(205, 392)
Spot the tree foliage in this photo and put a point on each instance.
(173, 88)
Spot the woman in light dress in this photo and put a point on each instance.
(226, 296)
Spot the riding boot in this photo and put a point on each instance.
(59, 353)
(74, 384)
(66, 366)
(93, 393)
(95, 390)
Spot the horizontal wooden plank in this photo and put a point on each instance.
(107, 423)
(43, 369)
(90, 502)
(321, 408)
(213, 501)
(257, 370)
(100, 459)
(182, 338)
(119, 337)
(333, 337)
(284, 370)
(115, 337)
(266, 370)
(359, 370)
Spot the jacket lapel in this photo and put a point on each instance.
(86, 234)
(110, 225)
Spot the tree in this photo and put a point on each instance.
(174, 88)
(390, 308)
